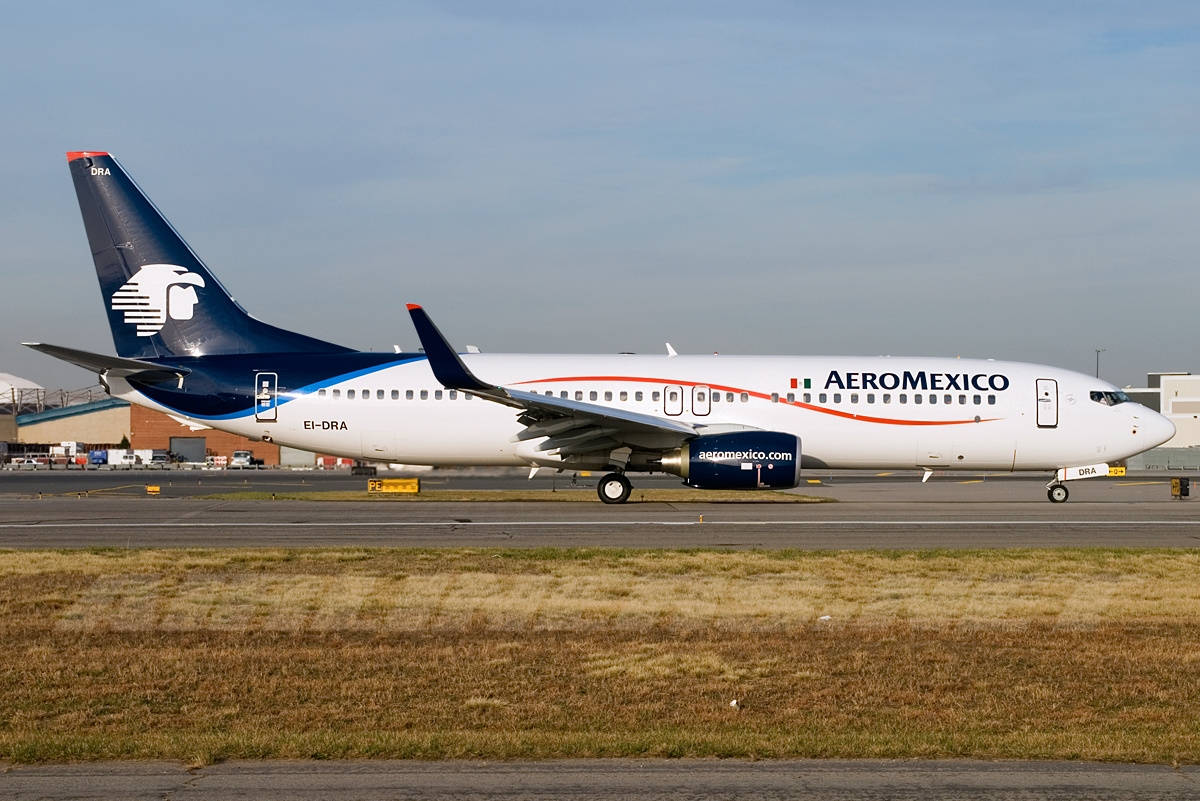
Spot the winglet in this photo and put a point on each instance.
(447, 367)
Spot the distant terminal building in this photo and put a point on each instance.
(1177, 396)
(101, 422)
(155, 430)
(33, 419)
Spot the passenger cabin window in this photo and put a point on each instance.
(672, 396)
(791, 397)
(608, 396)
(337, 393)
(579, 394)
(916, 398)
(822, 398)
(408, 394)
(592, 395)
(716, 397)
(887, 397)
(424, 394)
(745, 397)
(774, 397)
(854, 397)
(437, 394)
(962, 400)
(379, 394)
(991, 400)
(870, 397)
(453, 395)
(947, 399)
(837, 397)
(350, 394)
(637, 396)
(624, 395)
(656, 396)
(395, 394)
(903, 398)
(320, 393)
(978, 399)
(729, 397)
(808, 397)
(562, 394)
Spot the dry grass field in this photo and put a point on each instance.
(202, 655)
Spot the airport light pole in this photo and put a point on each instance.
(1098, 352)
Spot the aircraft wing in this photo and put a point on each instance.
(571, 428)
(115, 366)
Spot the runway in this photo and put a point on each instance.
(822, 780)
(69, 522)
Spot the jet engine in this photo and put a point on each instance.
(737, 460)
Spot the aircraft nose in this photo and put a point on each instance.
(1155, 428)
(1159, 428)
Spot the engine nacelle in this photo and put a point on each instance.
(738, 460)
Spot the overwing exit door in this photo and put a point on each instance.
(1047, 403)
(673, 400)
(701, 401)
(266, 397)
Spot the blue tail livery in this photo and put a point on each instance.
(161, 299)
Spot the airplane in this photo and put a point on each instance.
(185, 347)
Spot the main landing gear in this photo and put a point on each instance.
(1057, 493)
(614, 488)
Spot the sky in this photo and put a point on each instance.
(1011, 180)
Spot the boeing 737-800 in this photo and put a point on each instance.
(186, 348)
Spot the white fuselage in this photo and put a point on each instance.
(849, 412)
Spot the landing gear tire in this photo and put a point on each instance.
(1057, 493)
(614, 488)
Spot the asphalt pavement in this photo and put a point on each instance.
(596, 780)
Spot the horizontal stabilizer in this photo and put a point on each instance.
(99, 363)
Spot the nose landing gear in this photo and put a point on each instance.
(1057, 493)
(614, 488)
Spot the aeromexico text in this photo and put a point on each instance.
(980, 382)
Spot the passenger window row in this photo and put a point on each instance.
(409, 394)
(638, 396)
(902, 397)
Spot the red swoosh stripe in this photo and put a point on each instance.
(890, 421)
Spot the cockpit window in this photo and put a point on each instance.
(1110, 398)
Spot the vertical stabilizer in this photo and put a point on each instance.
(161, 299)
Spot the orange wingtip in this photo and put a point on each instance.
(72, 155)
(412, 306)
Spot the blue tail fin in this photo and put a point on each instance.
(161, 299)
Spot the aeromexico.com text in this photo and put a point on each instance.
(980, 382)
(742, 456)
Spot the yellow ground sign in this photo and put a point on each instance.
(394, 485)
(1116, 472)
